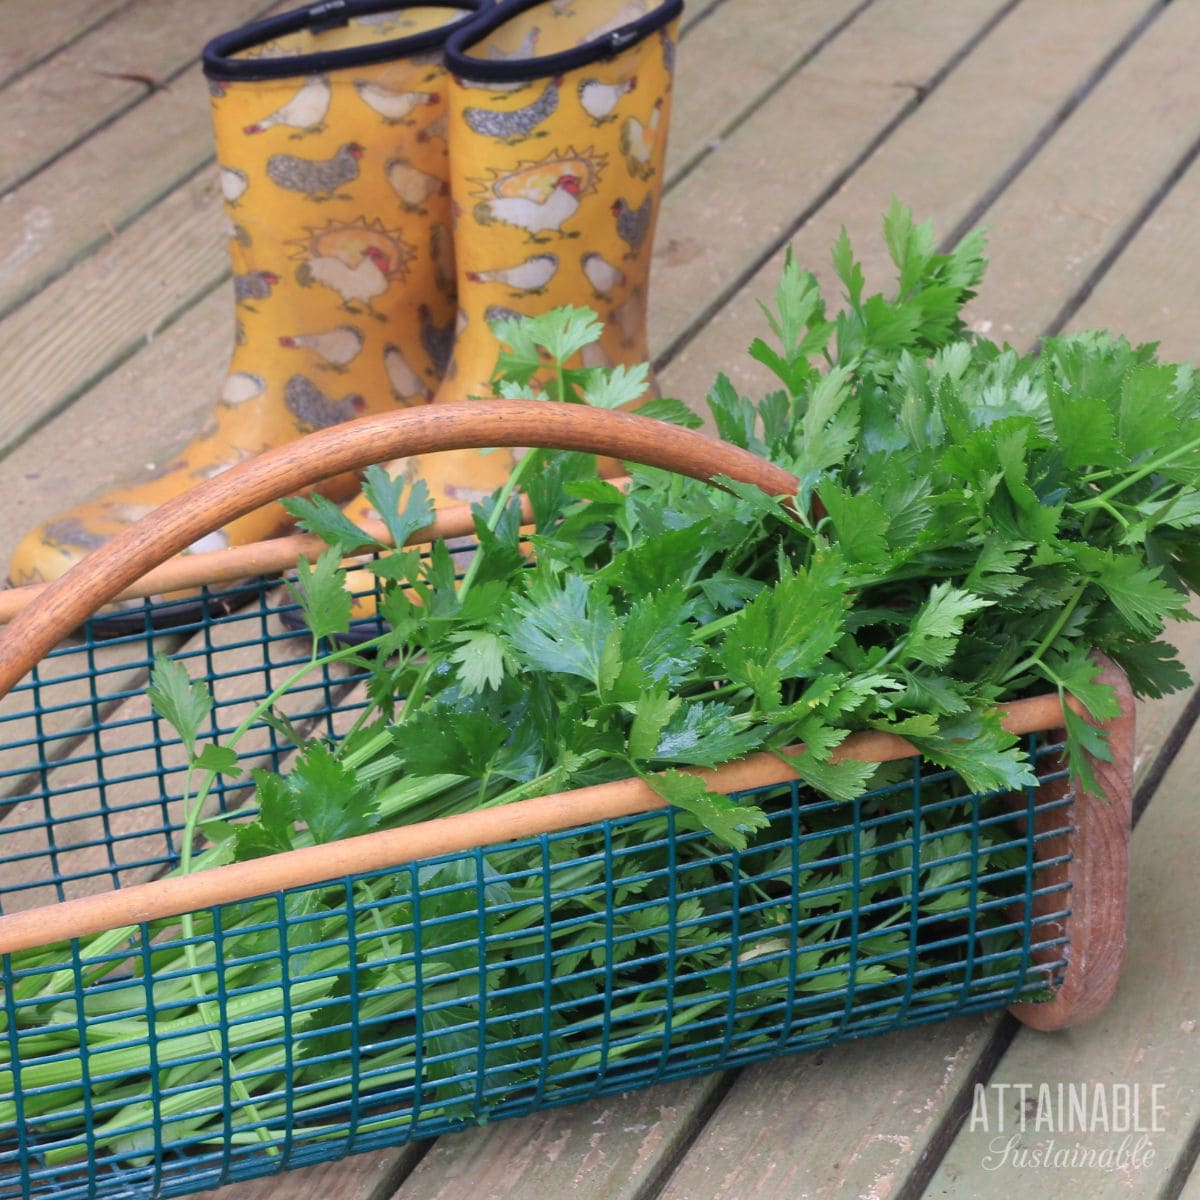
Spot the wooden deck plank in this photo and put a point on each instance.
(741, 202)
(1149, 1035)
(608, 1148)
(136, 418)
(64, 705)
(363, 1177)
(93, 837)
(732, 60)
(81, 201)
(1070, 206)
(102, 186)
(78, 328)
(940, 165)
(842, 1122)
(45, 112)
(1148, 291)
(33, 32)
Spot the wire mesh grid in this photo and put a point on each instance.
(298, 1027)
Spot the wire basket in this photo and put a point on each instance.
(164, 1034)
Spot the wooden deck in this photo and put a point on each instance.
(1071, 128)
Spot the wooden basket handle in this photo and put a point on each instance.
(102, 575)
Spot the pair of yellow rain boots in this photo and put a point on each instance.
(396, 176)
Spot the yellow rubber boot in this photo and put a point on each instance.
(331, 131)
(558, 126)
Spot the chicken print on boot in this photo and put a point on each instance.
(533, 215)
(357, 285)
(437, 340)
(414, 186)
(70, 533)
(599, 99)
(638, 142)
(233, 185)
(254, 285)
(318, 179)
(528, 278)
(396, 108)
(602, 275)
(519, 123)
(336, 348)
(499, 312)
(314, 410)
(633, 224)
(305, 112)
(240, 388)
(407, 386)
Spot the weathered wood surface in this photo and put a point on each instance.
(735, 207)
(126, 739)
(939, 162)
(616, 1146)
(138, 52)
(87, 322)
(62, 705)
(81, 199)
(842, 1122)
(942, 155)
(1149, 291)
(1075, 200)
(364, 1177)
(136, 418)
(34, 32)
(1149, 1035)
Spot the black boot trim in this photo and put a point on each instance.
(219, 63)
(461, 64)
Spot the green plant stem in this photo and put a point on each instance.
(506, 492)
(1027, 664)
(256, 714)
(187, 927)
(1149, 468)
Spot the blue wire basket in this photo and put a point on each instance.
(229, 1026)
